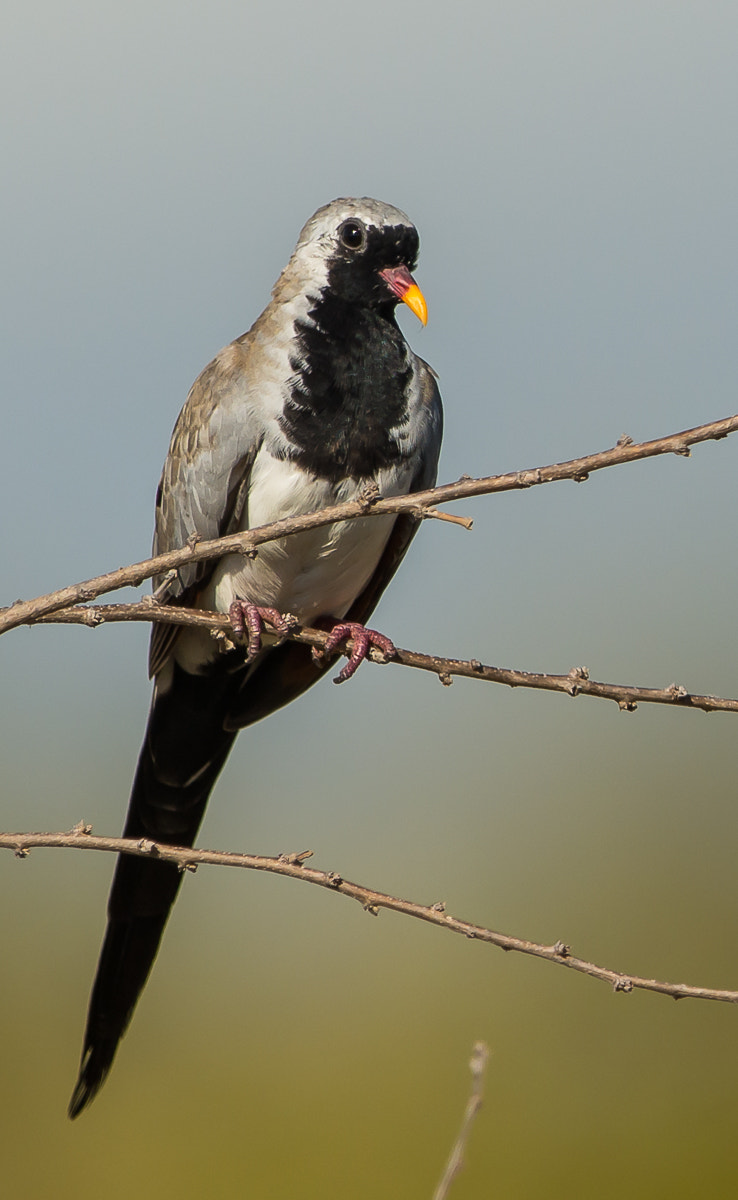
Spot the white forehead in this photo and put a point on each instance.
(373, 213)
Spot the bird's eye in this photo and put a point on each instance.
(352, 235)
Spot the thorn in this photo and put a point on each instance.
(424, 513)
(81, 827)
(225, 644)
(561, 950)
(624, 440)
(677, 691)
(576, 675)
(528, 478)
(295, 860)
(579, 673)
(162, 589)
(369, 494)
(92, 617)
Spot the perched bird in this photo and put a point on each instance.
(320, 399)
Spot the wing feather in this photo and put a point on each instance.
(205, 478)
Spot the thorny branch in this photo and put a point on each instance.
(575, 683)
(420, 504)
(63, 606)
(81, 838)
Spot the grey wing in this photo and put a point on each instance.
(430, 418)
(204, 484)
(430, 409)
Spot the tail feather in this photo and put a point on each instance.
(126, 959)
(177, 768)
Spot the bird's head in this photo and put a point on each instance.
(363, 251)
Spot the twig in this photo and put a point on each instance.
(477, 1066)
(575, 683)
(80, 838)
(465, 522)
(419, 503)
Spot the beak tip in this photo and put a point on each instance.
(415, 300)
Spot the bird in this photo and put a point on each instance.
(321, 399)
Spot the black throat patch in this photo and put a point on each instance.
(346, 403)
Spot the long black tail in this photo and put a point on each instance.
(183, 752)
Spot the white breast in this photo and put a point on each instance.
(317, 573)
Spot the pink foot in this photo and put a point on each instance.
(248, 621)
(362, 639)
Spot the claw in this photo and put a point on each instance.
(362, 638)
(248, 621)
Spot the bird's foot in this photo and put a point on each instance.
(362, 638)
(248, 620)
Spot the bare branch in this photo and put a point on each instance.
(477, 1066)
(575, 683)
(80, 838)
(421, 504)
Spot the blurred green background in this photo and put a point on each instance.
(572, 168)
